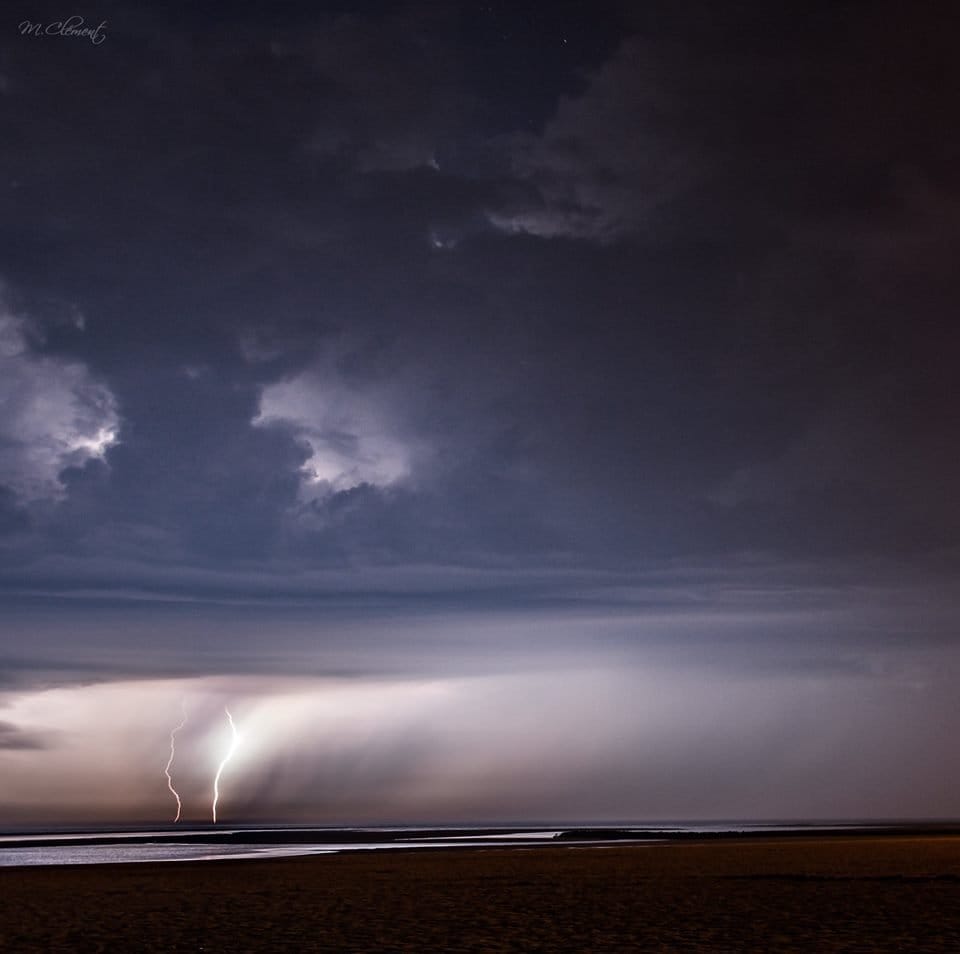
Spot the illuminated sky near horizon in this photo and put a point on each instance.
(509, 414)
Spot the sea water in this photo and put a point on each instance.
(128, 847)
(119, 847)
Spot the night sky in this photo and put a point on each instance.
(510, 411)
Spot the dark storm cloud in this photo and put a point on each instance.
(687, 302)
(743, 158)
(475, 394)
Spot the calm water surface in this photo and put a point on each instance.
(120, 847)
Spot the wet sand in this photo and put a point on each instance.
(809, 894)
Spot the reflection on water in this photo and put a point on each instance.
(121, 852)
(118, 847)
(117, 854)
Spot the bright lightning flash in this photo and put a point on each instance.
(173, 752)
(233, 748)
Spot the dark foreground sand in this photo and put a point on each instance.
(818, 894)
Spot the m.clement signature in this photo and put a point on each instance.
(72, 26)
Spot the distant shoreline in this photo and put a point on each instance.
(360, 836)
(260, 844)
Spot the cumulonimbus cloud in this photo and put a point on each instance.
(54, 414)
(349, 435)
(608, 158)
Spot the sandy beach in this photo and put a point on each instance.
(824, 894)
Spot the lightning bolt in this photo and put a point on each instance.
(216, 781)
(173, 752)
